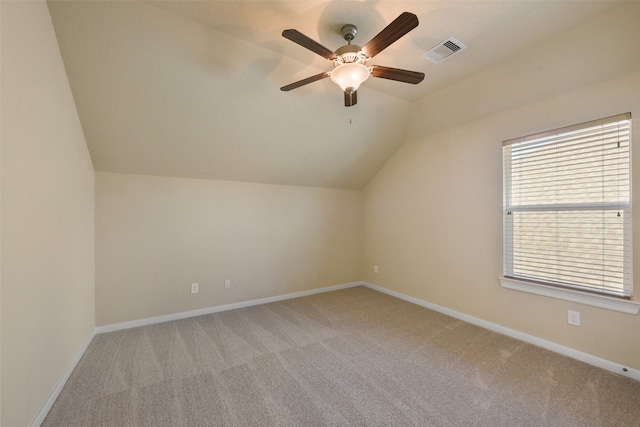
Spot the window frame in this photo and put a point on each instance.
(593, 297)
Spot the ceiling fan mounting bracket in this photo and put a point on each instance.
(349, 32)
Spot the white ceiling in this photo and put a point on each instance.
(191, 88)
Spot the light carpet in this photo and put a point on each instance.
(349, 357)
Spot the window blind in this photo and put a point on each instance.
(567, 210)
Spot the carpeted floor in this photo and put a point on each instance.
(349, 357)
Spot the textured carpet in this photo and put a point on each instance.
(350, 357)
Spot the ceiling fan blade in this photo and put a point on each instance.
(399, 27)
(304, 41)
(397, 74)
(350, 98)
(305, 81)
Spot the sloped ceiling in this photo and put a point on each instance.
(191, 88)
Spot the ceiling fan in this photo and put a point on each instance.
(350, 61)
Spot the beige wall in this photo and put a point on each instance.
(433, 223)
(47, 216)
(431, 219)
(155, 236)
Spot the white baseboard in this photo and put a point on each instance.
(38, 419)
(216, 309)
(549, 345)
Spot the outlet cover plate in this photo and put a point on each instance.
(573, 317)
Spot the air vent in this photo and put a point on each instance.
(444, 50)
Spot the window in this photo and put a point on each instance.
(567, 210)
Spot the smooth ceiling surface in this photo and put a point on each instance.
(191, 88)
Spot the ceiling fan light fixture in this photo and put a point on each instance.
(350, 76)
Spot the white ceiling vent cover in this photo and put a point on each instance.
(444, 50)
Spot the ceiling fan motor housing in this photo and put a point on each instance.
(350, 53)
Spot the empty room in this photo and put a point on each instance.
(372, 213)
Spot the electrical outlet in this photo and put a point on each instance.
(227, 284)
(375, 268)
(194, 288)
(573, 317)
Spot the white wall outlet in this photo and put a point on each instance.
(375, 268)
(194, 288)
(227, 283)
(573, 318)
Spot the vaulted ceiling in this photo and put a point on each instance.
(192, 88)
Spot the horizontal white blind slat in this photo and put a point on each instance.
(568, 129)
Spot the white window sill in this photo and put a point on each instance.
(602, 301)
